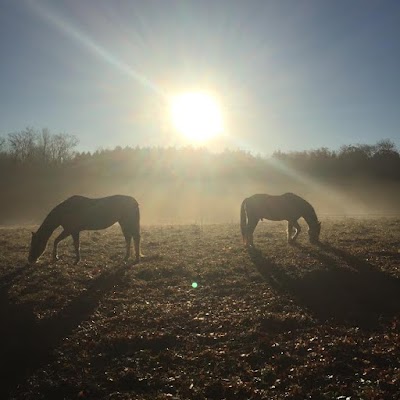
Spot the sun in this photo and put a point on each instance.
(196, 115)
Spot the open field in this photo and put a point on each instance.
(278, 322)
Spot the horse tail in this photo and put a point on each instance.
(243, 220)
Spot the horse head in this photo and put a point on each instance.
(314, 231)
(37, 248)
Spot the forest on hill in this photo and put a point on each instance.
(39, 169)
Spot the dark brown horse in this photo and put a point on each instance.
(288, 206)
(79, 213)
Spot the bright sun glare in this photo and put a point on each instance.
(196, 115)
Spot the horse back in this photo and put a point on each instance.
(83, 213)
(287, 206)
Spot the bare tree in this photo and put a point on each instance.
(23, 144)
(43, 146)
(385, 146)
(61, 147)
(30, 145)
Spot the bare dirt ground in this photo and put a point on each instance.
(276, 322)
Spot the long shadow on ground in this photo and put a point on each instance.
(347, 289)
(25, 343)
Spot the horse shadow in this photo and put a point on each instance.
(26, 343)
(347, 289)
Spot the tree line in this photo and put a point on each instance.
(32, 148)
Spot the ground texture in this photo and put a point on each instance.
(275, 322)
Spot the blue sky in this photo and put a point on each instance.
(289, 74)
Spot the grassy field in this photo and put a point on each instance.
(277, 322)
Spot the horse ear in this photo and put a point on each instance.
(319, 223)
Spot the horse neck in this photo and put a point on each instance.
(48, 226)
(310, 217)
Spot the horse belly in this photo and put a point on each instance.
(88, 222)
(278, 215)
(98, 223)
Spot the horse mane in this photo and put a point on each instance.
(49, 224)
(310, 214)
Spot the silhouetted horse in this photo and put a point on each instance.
(79, 213)
(288, 206)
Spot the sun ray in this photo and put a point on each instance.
(83, 39)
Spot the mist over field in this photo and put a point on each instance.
(182, 202)
(38, 170)
(203, 202)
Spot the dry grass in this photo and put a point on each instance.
(278, 322)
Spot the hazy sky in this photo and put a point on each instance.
(289, 74)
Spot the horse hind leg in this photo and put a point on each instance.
(128, 240)
(129, 233)
(251, 226)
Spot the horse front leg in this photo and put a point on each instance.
(57, 240)
(293, 225)
(75, 238)
(289, 232)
